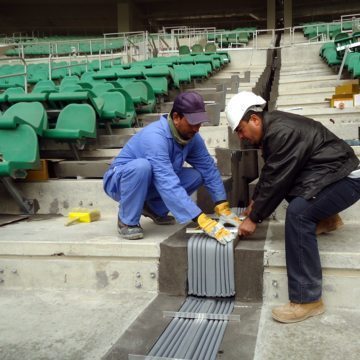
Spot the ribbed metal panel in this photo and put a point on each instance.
(194, 338)
(210, 267)
(210, 274)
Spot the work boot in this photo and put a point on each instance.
(130, 232)
(329, 224)
(160, 220)
(292, 312)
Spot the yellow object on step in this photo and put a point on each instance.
(82, 215)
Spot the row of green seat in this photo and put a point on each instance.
(312, 30)
(197, 49)
(59, 69)
(134, 86)
(333, 53)
(66, 48)
(236, 36)
(24, 123)
(119, 108)
(38, 72)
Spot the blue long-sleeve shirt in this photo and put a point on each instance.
(156, 144)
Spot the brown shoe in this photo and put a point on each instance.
(329, 224)
(291, 312)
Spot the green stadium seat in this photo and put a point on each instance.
(68, 94)
(69, 80)
(75, 121)
(210, 47)
(181, 75)
(187, 59)
(184, 50)
(99, 89)
(142, 94)
(19, 150)
(32, 114)
(159, 84)
(116, 108)
(197, 48)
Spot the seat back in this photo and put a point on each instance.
(77, 117)
(197, 48)
(68, 80)
(19, 149)
(184, 49)
(114, 102)
(210, 47)
(31, 113)
(100, 89)
(137, 89)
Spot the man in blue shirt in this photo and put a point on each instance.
(148, 178)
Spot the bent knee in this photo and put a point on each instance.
(297, 207)
(140, 166)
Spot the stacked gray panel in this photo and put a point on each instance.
(210, 267)
(194, 338)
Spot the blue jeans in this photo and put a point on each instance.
(132, 185)
(302, 253)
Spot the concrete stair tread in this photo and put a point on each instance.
(49, 237)
(339, 249)
(314, 78)
(66, 324)
(316, 338)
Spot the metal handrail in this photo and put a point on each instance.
(69, 66)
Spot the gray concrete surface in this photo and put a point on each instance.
(331, 336)
(39, 325)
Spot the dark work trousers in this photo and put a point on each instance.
(302, 253)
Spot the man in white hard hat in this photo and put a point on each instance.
(315, 171)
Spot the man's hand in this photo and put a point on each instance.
(247, 211)
(215, 229)
(226, 216)
(247, 227)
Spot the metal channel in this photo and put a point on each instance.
(210, 267)
(194, 338)
(197, 329)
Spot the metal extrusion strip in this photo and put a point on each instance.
(210, 267)
(147, 357)
(200, 316)
(193, 338)
(197, 329)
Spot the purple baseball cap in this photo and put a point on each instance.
(192, 105)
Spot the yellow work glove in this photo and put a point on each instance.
(215, 229)
(226, 216)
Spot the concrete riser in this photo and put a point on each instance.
(74, 193)
(56, 273)
(340, 289)
(350, 214)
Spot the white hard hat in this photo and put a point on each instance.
(239, 104)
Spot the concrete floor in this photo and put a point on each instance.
(331, 336)
(36, 325)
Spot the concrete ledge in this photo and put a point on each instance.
(140, 337)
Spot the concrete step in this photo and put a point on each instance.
(340, 258)
(321, 334)
(44, 254)
(326, 90)
(307, 79)
(65, 324)
(313, 99)
(303, 85)
(347, 115)
(292, 72)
